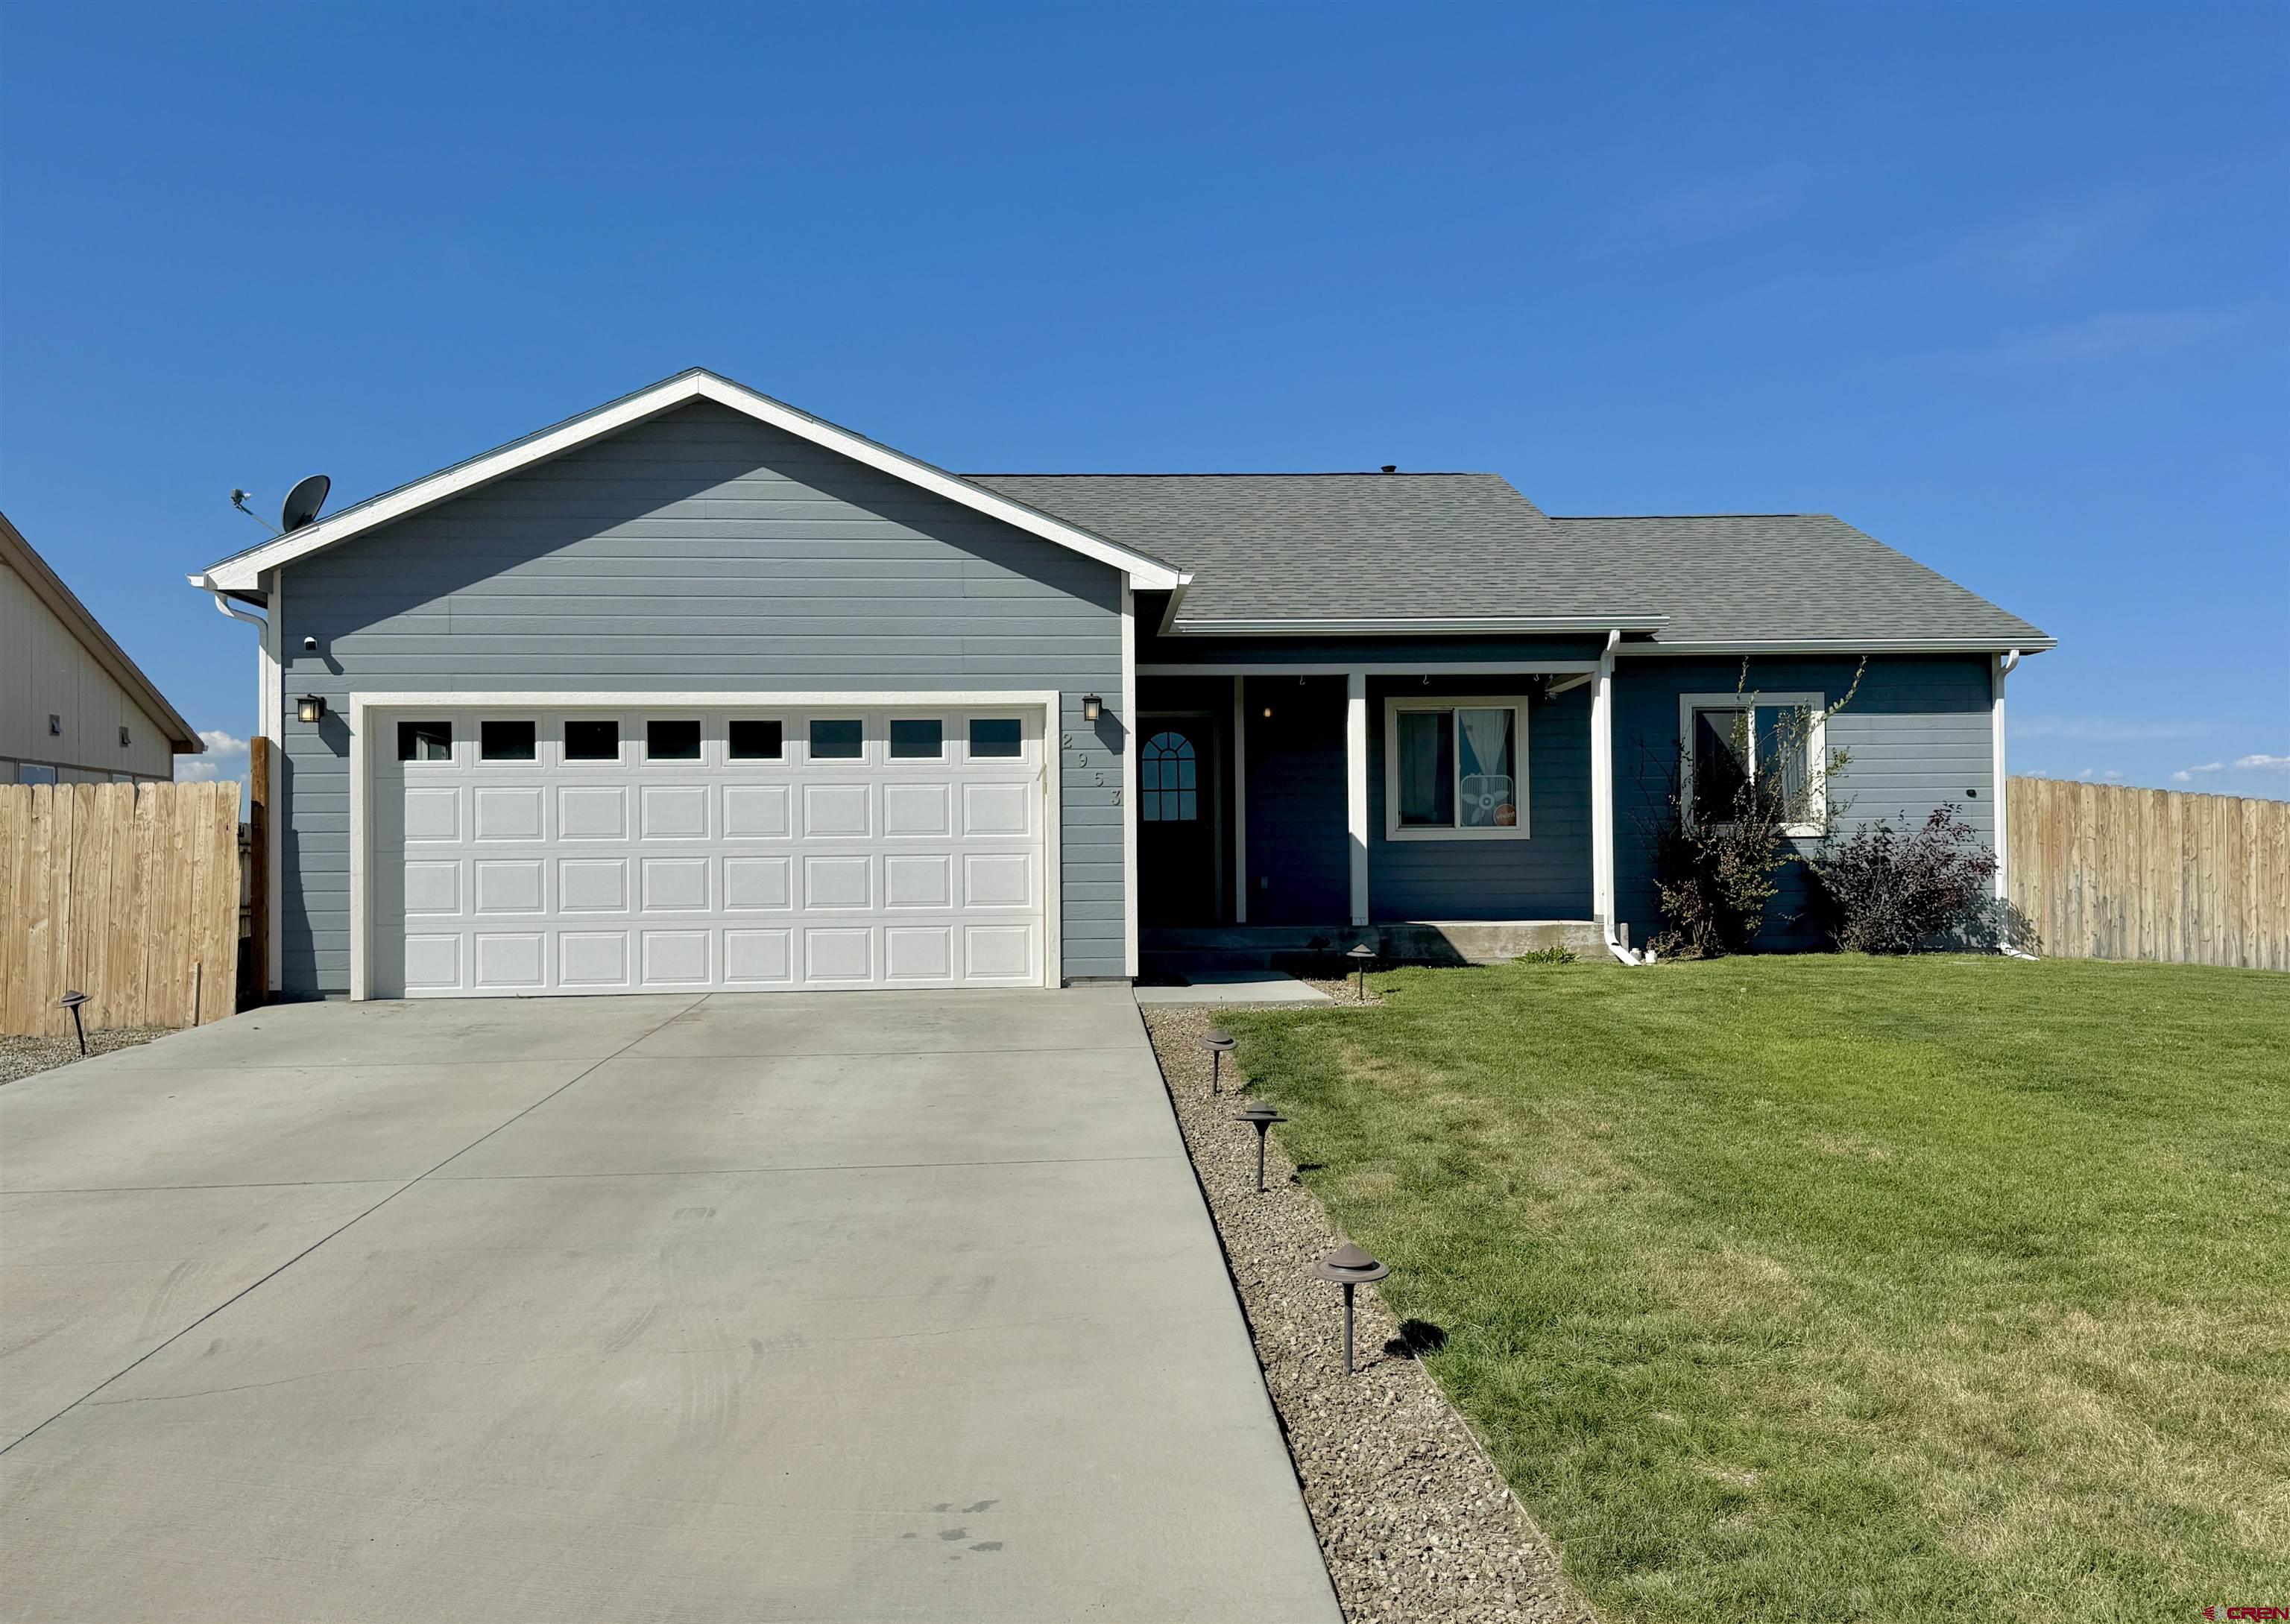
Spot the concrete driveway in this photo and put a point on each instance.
(870, 1307)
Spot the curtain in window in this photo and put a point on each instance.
(1489, 787)
(1427, 768)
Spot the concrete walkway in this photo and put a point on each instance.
(868, 1307)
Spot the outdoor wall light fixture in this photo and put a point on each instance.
(1093, 706)
(1218, 1043)
(123, 735)
(72, 1000)
(310, 708)
(1350, 1268)
(1260, 1117)
(55, 725)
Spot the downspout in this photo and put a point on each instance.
(2004, 667)
(1602, 801)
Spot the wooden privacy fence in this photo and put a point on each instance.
(127, 892)
(2105, 871)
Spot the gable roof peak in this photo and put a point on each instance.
(243, 572)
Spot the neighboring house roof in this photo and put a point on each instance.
(242, 572)
(64, 603)
(1466, 552)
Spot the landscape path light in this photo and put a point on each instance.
(1218, 1043)
(1350, 1268)
(1262, 1117)
(1362, 956)
(72, 1000)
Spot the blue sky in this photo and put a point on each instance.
(2007, 287)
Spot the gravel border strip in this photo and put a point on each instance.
(25, 1057)
(1416, 1524)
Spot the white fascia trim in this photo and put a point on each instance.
(1168, 626)
(1455, 667)
(242, 572)
(1393, 705)
(1837, 645)
(1401, 626)
(1048, 702)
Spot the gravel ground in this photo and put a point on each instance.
(1415, 1522)
(20, 1057)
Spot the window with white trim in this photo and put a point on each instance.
(1728, 741)
(1454, 769)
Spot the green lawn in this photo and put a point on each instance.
(1834, 1288)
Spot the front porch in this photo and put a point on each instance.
(1443, 813)
(1318, 950)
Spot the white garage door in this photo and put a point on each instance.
(657, 849)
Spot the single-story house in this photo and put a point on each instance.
(73, 708)
(697, 690)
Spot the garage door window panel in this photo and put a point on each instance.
(592, 741)
(671, 740)
(838, 739)
(917, 738)
(425, 742)
(507, 740)
(749, 739)
(997, 739)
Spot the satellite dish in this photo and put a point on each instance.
(303, 502)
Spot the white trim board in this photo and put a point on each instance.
(1048, 702)
(244, 573)
(1356, 789)
(1128, 793)
(271, 696)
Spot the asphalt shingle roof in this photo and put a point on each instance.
(1267, 546)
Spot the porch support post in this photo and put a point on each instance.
(1239, 800)
(1602, 791)
(1355, 786)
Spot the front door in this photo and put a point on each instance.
(1176, 822)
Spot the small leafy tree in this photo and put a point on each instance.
(1881, 890)
(1722, 840)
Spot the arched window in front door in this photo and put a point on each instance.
(1169, 792)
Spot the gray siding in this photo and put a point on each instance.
(1918, 731)
(699, 550)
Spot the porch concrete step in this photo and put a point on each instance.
(1319, 949)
